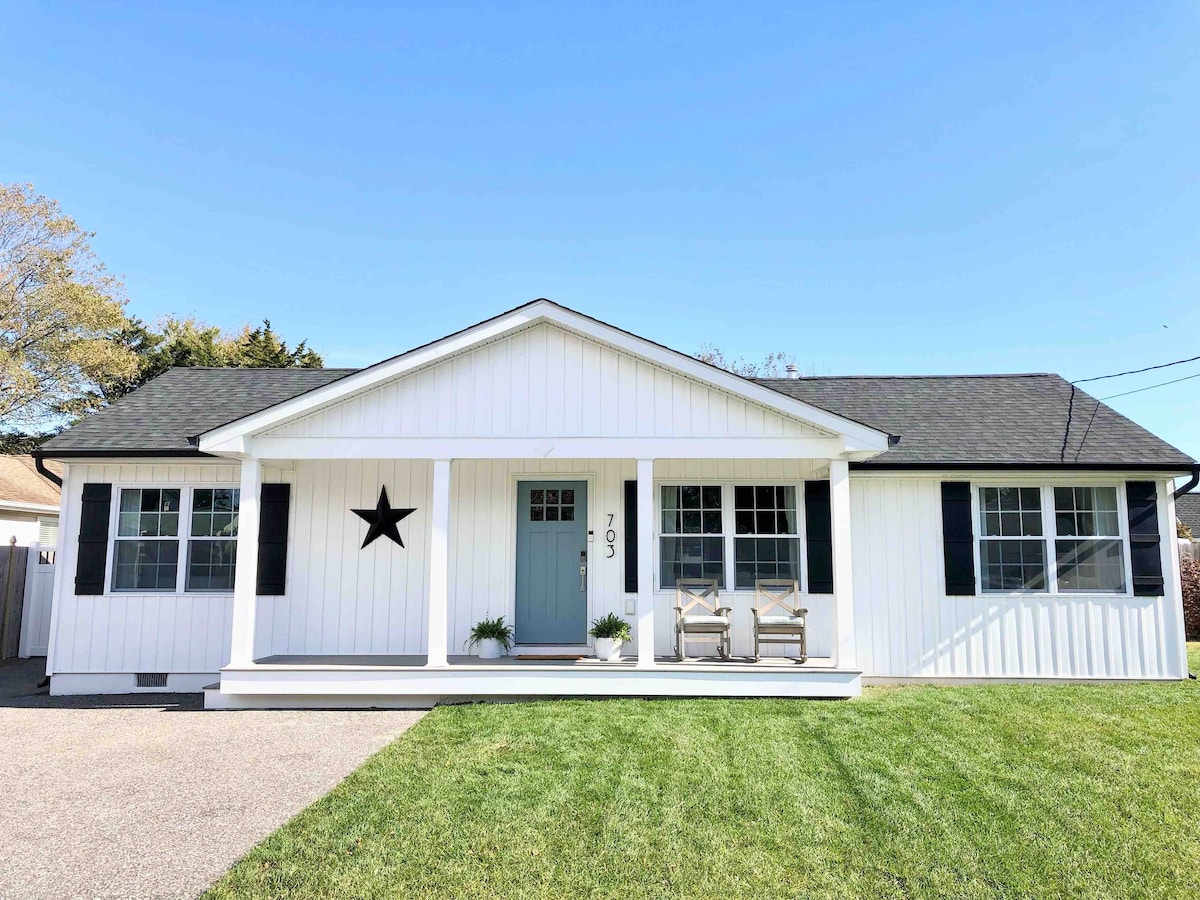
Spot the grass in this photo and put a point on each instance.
(1004, 790)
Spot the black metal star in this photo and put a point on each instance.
(383, 519)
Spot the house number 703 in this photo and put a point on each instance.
(610, 538)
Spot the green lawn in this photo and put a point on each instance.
(1018, 791)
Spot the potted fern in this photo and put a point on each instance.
(610, 632)
(491, 638)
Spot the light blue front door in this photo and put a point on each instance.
(551, 548)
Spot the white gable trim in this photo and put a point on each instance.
(230, 438)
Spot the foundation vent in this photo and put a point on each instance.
(152, 679)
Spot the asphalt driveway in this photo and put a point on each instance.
(149, 795)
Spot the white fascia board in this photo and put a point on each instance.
(858, 437)
(22, 506)
(545, 448)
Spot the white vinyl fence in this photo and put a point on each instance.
(39, 590)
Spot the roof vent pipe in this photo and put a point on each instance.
(792, 371)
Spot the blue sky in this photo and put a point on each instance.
(872, 187)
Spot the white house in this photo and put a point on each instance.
(958, 528)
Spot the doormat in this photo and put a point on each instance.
(550, 656)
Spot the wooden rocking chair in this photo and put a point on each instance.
(711, 624)
(790, 628)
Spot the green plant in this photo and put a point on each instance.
(491, 629)
(610, 626)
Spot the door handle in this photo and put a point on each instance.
(583, 578)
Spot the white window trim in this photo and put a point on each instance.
(183, 537)
(1050, 535)
(728, 527)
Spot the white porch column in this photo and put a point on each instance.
(245, 578)
(645, 562)
(844, 655)
(439, 567)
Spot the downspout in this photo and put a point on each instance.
(1191, 483)
(40, 465)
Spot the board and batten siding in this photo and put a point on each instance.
(128, 632)
(906, 625)
(341, 599)
(544, 380)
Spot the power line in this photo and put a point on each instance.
(1177, 362)
(1152, 386)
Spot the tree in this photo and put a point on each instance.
(61, 313)
(180, 342)
(774, 365)
(262, 348)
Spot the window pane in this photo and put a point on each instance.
(1010, 512)
(743, 497)
(1086, 512)
(145, 565)
(691, 557)
(670, 497)
(211, 565)
(568, 514)
(765, 558)
(712, 522)
(1013, 565)
(743, 521)
(551, 513)
(1090, 566)
(689, 497)
(691, 522)
(711, 497)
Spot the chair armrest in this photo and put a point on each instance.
(724, 609)
(801, 612)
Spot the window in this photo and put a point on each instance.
(767, 543)
(212, 547)
(1089, 547)
(1089, 551)
(151, 525)
(692, 540)
(146, 554)
(551, 505)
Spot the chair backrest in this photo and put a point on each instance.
(781, 592)
(691, 592)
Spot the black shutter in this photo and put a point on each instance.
(1144, 554)
(93, 539)
(631, 568)
(958, 539)
(272, 539)
(818, 533)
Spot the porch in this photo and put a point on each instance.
(408, 681)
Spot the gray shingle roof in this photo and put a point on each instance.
(1187, 511)
(986, 420)
(982, 420)
(162, 414)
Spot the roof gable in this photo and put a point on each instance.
(431, 372)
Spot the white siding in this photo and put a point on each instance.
(907, 626)
(345, 600)
(135, 632)
(340, 598)
(544, 381)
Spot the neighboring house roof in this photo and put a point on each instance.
(980, 420)
(21, 483)
(1187, 511)
(987, 420)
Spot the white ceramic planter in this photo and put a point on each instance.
(608, 649)
(489, 648)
